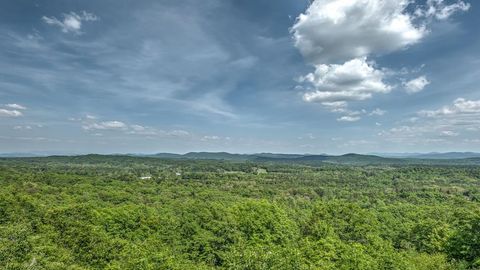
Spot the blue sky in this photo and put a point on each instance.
(293, 76)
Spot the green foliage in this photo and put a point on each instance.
(465, 243)
(96, 212)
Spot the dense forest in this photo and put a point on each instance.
(119, 212)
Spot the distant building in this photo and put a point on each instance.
(259, 170)
(145, 177)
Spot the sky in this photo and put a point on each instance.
(250, 76)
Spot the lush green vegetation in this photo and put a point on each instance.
(112, 212)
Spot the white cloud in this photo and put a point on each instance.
(351, 143)
(15, 106)
(459, 107)
(12, 110)
(38, 139)
(348, 118)
(142, 130)
(338, 30)
(350, 115)
(308, 136)
(336, 84)
(426, 132)
(178, 133)
(210, 138)
(336, 106)
(439, 10)
(446, 124)
(106, 125)
(93, 125)
(138, 128)
(72, 22)
(113, 125)
(416, 85)
(449, 133)
(337, 36)
(378, 112)
(10, 113)
(22, 127)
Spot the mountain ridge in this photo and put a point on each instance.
(308, 159)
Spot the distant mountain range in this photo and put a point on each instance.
(432, 155)
(306, 157)
(452, 158)
(352, 158)
(36, 154)
(225, 156)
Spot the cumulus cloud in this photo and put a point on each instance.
(416, 85)
(71, 22)
(337, 36)
(354, 80)
(336, 30)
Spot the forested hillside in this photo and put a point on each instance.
(350, 159)
(115, 212)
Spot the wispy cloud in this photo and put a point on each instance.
(27, 127)
(93, 125)
(139, 69)
(452, 122)
(12, 110)
(15, 106)
(440, 10)
(347, 118)
(460, 108)
(106, 125)
(71, 22)
(377, 112)
(10, 113)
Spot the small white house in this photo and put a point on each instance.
(145, 177)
